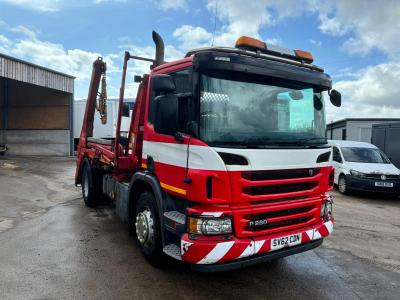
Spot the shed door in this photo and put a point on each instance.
(392, 145)
(365, 134)
(378, 138)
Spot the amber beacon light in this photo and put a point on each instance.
(252, 44)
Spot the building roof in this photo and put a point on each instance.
(342, 122)
(342, 143)
(17, 69)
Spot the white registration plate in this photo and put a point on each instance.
(384, 184)
(286, 241)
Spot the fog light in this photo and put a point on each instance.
(327, 207)
(210, 226)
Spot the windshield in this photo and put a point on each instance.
(247, 113)
(364, 155)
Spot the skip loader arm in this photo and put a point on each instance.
(99, 68)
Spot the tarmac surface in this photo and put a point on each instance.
(52, 246)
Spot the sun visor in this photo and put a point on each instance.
(222, 62)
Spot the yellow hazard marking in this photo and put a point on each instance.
(173, 188)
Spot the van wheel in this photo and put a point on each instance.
(91, 186)
(147, 229)
(342, 184)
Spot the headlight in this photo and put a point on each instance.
(210, 226)
(356, 173)
(327, 207)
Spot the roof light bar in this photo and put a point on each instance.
(248, 43)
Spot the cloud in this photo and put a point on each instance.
(372, 93)
(53, 5)
(40, 5)
(315, 43)
(192, 37)
(30, 34)
(364, 25)
(236, 18)
(27, 45)
(76, 62)
(375, 85)
(172, 4)
(371, 24)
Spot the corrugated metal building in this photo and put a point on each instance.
(355, 129)
(35, 109)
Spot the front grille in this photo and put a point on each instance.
(279, 189)
(280, 200)
(280, 174)
(279, 220)
(277, 201)
(281, 224)
(379, 176)
(280, 213)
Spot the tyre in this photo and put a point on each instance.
(91, 186)
(342, 184)
(147, 229)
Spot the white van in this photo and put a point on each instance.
(362, 166)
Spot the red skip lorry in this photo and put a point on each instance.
(226, 162)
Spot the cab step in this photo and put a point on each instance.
(175, 222)
(173, 251)
(175, 216)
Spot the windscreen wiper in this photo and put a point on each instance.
(312, 139)
(298, 142)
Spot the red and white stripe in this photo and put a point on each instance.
(209, 252)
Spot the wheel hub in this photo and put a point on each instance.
(144, 228)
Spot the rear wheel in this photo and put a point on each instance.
(91, 186)
(147, 229)
(342, 184)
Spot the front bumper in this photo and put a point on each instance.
(367, 184)
(233, 252)
(257, 259)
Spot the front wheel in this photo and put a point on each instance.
(342, 184)
(147, 229)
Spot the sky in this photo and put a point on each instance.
(356, 42)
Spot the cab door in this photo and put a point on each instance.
(167, 154)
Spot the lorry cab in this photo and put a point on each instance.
(226, 163)
(363, 166)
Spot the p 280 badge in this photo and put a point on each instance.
(257, 223)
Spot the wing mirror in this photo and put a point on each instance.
(163, 84)
(335, 97)
(166, 105)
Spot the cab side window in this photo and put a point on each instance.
(183, 83)
(336, 155)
